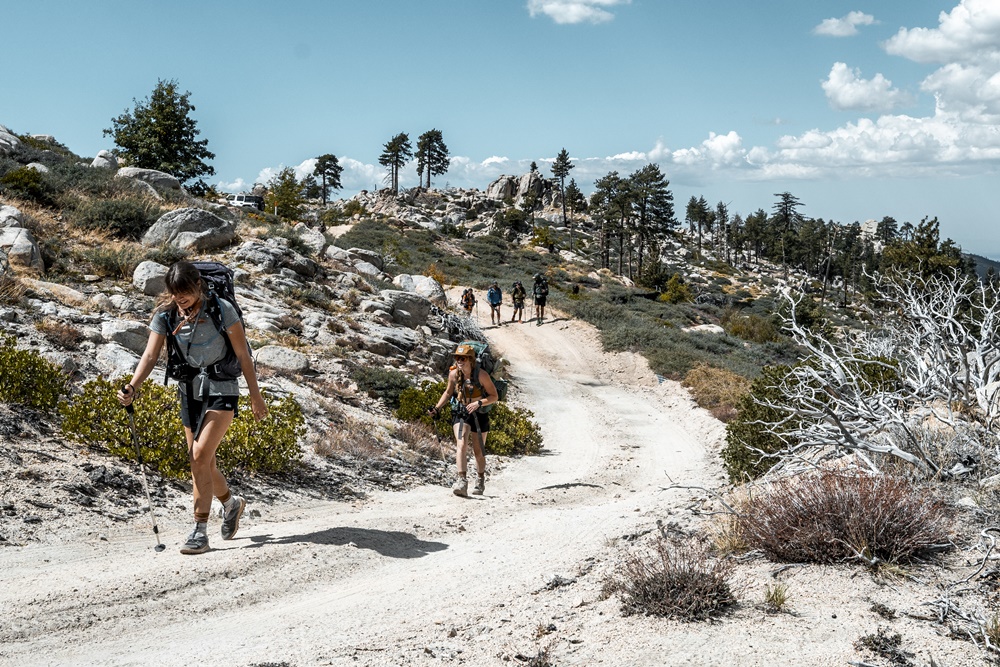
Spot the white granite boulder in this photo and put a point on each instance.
(21, 248)
(160, 180)
(282, 358)
(149, 278)
(129, 334)
(11, 217)
(105, 160)
(425, 286)
(191, 229)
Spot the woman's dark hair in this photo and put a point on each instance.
(182, 278)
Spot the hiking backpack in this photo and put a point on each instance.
(468, 299)
(485, 361)
(542, 287)
(218, 280)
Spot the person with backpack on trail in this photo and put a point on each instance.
(208, 402)
(495, 298)
(517, 296)
(468, 301)
(540, 291)
(470, 388)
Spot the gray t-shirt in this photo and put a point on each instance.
(201, 343)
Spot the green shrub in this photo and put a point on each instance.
(354, 207)
(26, 378)
(113, 261)
(414, 402)
(751, 327)
(166, 255)
(126, 218)
(95, 418)
(27, 183)
(749, 443)
(676, 291)
(382, 383)
(268, 446)
(512, 430)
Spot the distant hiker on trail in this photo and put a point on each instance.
(469, 389)
(208, 401)
(517, 296)
(495, 298)
(468, 301)
(540, 291)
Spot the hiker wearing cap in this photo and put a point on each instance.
(540, 291)
(206, 411)
(469, 389)
(517, 297)
(495, 298)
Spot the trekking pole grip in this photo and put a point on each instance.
(129, 408)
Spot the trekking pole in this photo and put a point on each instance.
(145, 483)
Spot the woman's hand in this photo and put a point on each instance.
(126, 395)
(258, 406)
(469, 409)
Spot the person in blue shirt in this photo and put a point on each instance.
(495, 298)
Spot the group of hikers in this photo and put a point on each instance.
(199, 322)
(518, 295)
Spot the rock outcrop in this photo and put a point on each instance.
(192, 229)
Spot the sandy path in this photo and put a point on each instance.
(396, 579)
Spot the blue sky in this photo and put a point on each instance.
(861, 109)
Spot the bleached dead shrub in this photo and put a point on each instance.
(352, 438)
(830, 517)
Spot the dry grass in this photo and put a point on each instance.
(420, 437)
(717, 390)
(11, 291)
(678, 581)
(830, 517)
(352, 438)
(776, 597)
(60, 334)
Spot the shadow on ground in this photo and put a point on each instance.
(393, 544)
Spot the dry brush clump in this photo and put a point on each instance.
(837, 516)
(717, 390)
(678, 580)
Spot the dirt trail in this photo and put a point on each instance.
(402, 577)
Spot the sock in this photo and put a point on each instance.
(225, 499)
(201, 527)
(229, 502)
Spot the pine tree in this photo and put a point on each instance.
(395, 153)
(560, 169)
(328, 169)
(160, 134)
(432, 156)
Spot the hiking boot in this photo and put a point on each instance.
(461, 487)
(231, 517)
(480, 486)
(197, 543)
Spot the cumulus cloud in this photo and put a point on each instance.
(846, 90)
(968, 33)
(845, 26)
(575, 11)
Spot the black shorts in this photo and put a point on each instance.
(192, 406)
(540, 301)
(484, 420)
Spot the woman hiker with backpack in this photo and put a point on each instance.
(472, 389)
(517, 296)
(183, 314)
(540, 291)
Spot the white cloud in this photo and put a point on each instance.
(969, 33)
(845, 26)
(495, 160)
(846, 90)
(575, 11)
